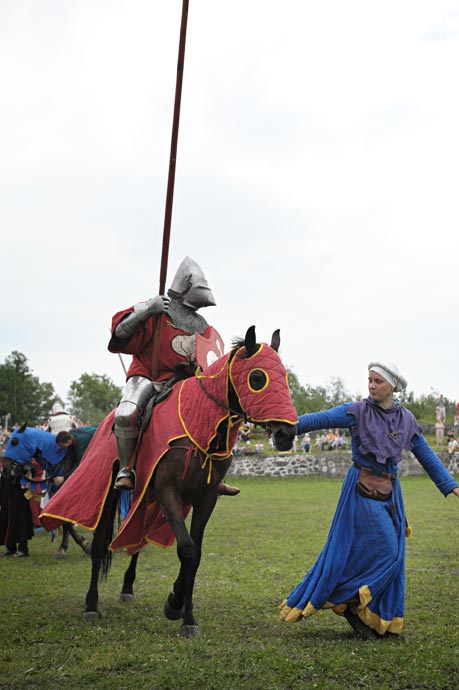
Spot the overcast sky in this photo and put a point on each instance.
(316, 183)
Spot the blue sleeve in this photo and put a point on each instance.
(433, 465)
(336, 418)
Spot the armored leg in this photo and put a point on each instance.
(137, 393)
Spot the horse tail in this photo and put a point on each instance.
(111, 504)
(106, 560)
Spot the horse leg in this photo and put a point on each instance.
(127, 593)
(189, 545)
(80, 540)
(92, 595)
(100, 556)
(174, 608)
(64, 545)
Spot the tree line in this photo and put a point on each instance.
(23, 397)
(309, 399)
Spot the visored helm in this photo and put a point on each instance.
(191, 285)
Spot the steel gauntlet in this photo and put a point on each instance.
(142, 311)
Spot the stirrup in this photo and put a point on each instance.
(125, 479)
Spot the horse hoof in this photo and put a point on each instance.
(59, 554)
(190, 631)
(91, 615)
(126, 597)
(171, 613)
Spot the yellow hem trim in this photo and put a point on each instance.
(92, 527)
(375, 622)
(292, 615)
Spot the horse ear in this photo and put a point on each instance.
(250, 341)
(22, 428)
(275, 340)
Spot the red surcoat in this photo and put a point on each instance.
(140, 346)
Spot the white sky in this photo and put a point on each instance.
(316, 183)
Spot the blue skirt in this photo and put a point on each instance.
(362, 562)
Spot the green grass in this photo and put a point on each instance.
(257, 546)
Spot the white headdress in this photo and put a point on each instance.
(391, 374)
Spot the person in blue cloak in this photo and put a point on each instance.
(24, 445)
(360, 572)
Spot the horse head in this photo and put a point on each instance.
(260, 385)
(20, 447)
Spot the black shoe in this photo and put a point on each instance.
(359, 626)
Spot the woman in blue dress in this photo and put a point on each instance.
(360, 573)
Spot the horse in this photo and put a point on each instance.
(19, 476)
(184, 452)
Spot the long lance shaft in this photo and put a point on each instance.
(170, 183)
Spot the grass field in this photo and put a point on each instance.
(257, 546)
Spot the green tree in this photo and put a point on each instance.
(22, 396)
(297, 391)
(92, 397)
(336, 392)
(306, 398)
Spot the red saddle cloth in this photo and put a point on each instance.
(81, 498)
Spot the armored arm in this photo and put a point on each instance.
(142, 311)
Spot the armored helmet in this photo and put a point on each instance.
(191, 285)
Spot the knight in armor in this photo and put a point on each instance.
(133, 333)
(59, 420)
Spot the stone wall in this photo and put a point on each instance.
(327, 463)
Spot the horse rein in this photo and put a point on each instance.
(220, 403)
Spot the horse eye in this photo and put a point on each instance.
(14, 441)
(257, 379)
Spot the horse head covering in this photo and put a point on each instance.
(391, 374)
(259, 381)
(191, 286)
(27, 443)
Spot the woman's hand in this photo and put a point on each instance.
(456, 491)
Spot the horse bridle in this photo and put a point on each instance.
(220, 403)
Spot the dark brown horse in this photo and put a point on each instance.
(249, 383)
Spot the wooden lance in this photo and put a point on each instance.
(170, 185)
